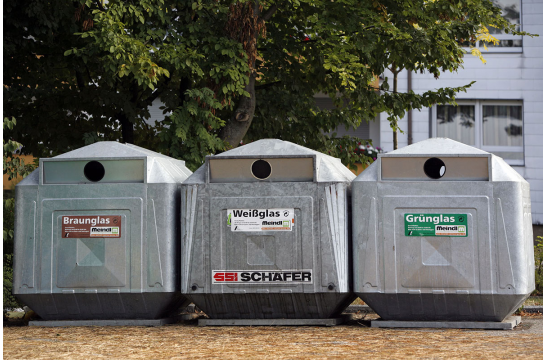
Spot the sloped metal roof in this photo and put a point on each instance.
(328, 168)
(437, 147)
(110, 149)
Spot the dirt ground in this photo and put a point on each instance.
(355, 339)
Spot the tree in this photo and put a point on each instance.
(13, 167)
(226, 71)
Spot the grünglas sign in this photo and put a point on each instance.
(435, 224)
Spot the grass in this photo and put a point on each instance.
(534, 301)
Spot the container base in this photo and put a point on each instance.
(276, 322)
(118, 322)
(273, 305)
(443, 307)
(104, 306)
(507, 324)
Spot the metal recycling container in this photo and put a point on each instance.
(97, 234)
(442, 231)
(265, 233)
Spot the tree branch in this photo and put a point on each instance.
(99, 4)
(157, 93)
(269, 13)
(185, 84)
(266, 86)
(79, 80)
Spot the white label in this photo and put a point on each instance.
(260, 219)
(262, 276)
(104, 231)
(450, 230)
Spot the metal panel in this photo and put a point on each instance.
(457, 168)
(291, 250)
(283, 169)
(71, 172)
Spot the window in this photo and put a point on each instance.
(508, 43)
(494, 126)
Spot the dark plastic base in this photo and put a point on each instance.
(273, 306)
(104, 306)
(448, 307)
(507, 324)
(276, 322)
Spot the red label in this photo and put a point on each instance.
(226, 276)
(86, 226)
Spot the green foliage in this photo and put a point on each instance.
(8, 225)
(14, 167)
(85, 71)
(538, 257)
(9, 300)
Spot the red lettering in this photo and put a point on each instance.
(227, 276)
(231, 276)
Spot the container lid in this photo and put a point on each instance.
(108, 162)
(436, 147)
(439, 159)
(271, 160)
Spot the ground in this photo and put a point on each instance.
(355, 339)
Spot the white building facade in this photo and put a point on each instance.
(501, 113)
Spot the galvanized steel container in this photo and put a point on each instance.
(97, 234)
(442, 231)
(265, 233)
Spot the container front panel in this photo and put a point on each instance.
(435, 261)
(254, 271)
(91, 261)
(269, 259)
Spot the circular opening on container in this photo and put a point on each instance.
(94, 171)
(435, 168)
(261, 169)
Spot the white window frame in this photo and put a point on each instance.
(478, 105)
(494, 49)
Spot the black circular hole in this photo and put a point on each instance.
(94, 171)
(261, 169)
(435, 168)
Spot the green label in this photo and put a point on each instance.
(435, 224)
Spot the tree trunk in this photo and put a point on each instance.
(127, 129)
(240, 122)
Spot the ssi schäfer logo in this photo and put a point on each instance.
(262, 276)
(226, 277)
